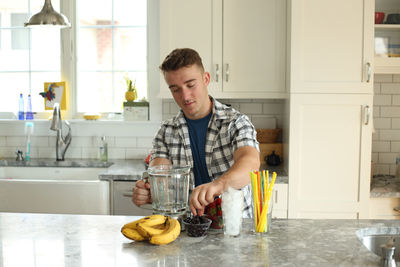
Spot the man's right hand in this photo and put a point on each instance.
(141, 193)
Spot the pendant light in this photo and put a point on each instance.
(48, 17)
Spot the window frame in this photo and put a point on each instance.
(69, 64)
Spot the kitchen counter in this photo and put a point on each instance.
(385, 186)
(121, 170)
(93, 240)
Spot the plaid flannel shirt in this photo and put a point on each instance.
(227, 131)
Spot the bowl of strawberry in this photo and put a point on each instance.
(196, 226)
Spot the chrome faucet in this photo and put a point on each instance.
(56, 125)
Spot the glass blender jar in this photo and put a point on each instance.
(169, 187)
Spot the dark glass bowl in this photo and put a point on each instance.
(196, 227)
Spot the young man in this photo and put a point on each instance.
(218, 142)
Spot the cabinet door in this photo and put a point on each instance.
(254, 46)
(186, 24)
(332, 46)
(330, 155)
(280, 205)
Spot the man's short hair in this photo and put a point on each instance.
(179, 58)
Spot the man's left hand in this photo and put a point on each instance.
(203, 195)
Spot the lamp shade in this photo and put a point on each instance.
(48, 17)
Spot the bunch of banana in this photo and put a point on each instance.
(158, 229)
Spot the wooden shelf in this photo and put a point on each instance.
(387, 26)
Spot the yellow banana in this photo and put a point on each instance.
(153, 220)
(150, 220)
(171, 232)
(148, 231)
(133, 234)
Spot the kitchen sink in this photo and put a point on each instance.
(72, 190)
(374, 238)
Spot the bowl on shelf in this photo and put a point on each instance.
(393, 18)
(379, 17)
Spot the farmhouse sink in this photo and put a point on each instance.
(374, 238)
(72, 190)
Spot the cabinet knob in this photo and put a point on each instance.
(216, 72)
(227, 72)
(368, 70)
(367, 114)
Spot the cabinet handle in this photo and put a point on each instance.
(396, 209)
(368, 69)
(367, 114)
(227, 72)
(276, 197)
(216, 72)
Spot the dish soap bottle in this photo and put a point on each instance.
(103, 149)
(21, 107)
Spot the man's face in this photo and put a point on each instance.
(188, 86)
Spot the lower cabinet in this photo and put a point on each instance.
(384, 208)
(280, 201)
(330, 156)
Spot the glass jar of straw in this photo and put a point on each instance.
(261, 190)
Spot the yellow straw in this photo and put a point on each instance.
(255, 197)
(263, 222)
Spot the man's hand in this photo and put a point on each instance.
(141, 193)
(203, 195)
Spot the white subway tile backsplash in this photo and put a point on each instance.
(137, 153)
(374, 157)
(74, 153)
(272, 108)
(376, 111)
(145, 142)
(82, 141)
(381, 169)
(396, 78)
(251, 108)
(387, 158)
(394, 146)
(382, 123)
(375, 136)
(390, 88)
(40, 141)
(125, 142)
(90, 152)
(2, 141)
(116, 153)
(395, 123)
(389, 135)
(381, 146)
(47, 152)
(15, 141)
(383, 78)
(260, 121)
(390, 112)
(383, 100)
(396, 100)
(377, 88)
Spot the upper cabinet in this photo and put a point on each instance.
(242, 43)
(387, 37)
(332, 46)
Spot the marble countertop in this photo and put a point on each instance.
(93, 240)
(385, 186)
(121, 170)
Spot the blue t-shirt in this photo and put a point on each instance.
(197, 135)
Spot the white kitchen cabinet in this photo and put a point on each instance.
(242, 43)
(330, 155)
(384, 208)
(332, 46)
(385, 64)
(280, 201)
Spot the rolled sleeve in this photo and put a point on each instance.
(244, 133)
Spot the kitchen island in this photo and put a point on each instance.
(95, 240)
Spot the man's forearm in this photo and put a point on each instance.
(246, 159)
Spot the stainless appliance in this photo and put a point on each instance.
(121, 201)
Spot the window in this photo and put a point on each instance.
(110, 42)
(28, 57)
